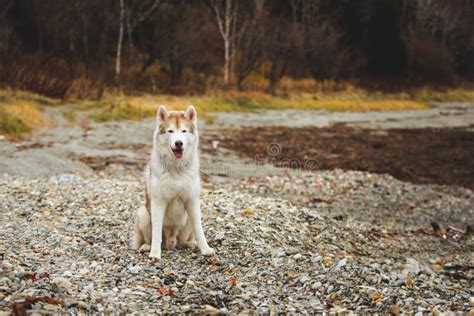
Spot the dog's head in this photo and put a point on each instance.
(177, 131)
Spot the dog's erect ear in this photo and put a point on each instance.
(191, 113)
(162, 114)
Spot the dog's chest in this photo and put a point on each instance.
(172, 187)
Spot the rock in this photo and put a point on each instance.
(292, 250)
(412, 266)
(220, 236)
(51, 307)
(280, 254)
(60, 285)
(342, 263)
(316, 286)
(134, 269)
(304, 279)
(298, 256)
(208, 309)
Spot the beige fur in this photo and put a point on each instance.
(171, 216)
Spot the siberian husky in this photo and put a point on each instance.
(172, 210)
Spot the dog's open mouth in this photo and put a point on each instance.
(178, 153)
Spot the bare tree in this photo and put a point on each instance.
(225, 12)
(5, 29)
(135, 13)
(131, 16)
(250, 43)
(120, 40)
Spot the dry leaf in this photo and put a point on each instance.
(248, 212)
(377, 298)
(19, 308)
(436, 266)
(163, 291)
(233, 280)
(31, 276)
(395, 309)
(409, 282)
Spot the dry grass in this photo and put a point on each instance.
(112, 108)
(30, 114)
(8, 96)
(11, 125)
(21, 112)
(450, 95)
(137, 107)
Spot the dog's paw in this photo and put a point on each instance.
(170, 243)
(155, 255)
(208, 252)
(191, 245)
(144, 248)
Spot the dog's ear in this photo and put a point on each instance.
(162, 114)
(191, 113)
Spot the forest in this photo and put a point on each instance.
(82, 48)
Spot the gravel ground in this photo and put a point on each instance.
(287, 240)
(66, 249)
(374, 198)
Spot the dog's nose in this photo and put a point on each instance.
(178, 144)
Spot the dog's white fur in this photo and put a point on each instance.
(173, 187)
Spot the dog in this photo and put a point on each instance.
(172, 211)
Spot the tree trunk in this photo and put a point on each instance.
(226, 61)
(175, 72)
(119, 43)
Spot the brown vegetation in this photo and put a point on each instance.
(83, 48)
(442, 156)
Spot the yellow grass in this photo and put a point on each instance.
(138, 107)
(20, 111)
(451, 95)
(8, 96)
(30, 114)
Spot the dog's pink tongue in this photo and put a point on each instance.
(179, 154)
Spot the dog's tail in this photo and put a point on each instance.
(137, 238)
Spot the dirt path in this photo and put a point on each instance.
(443, 115)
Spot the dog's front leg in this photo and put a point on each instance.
(194, 212)
(158, 209)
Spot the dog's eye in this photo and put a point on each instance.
(170, 131)
(184, 131)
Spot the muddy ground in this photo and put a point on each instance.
(429, 155)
